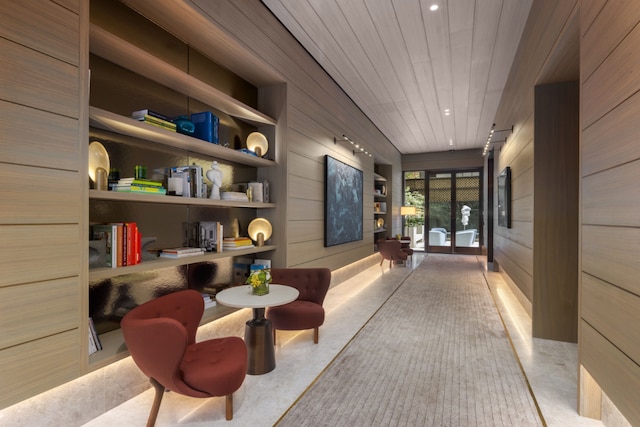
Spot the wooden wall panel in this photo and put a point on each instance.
(38, 196)
(52, 138)
(37, 310)
(43, 26)
(615, 373)
(38, 81)
(611, 195)
(615, 79)
(555, 227)
(37, 366)
(611, 224)
(614, 312)
(611, 254)
(615, 20)
(613, 140)
(30, 253)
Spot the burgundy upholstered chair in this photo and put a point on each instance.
(407, 246)
(160, 335)
(306, 312)
(391, 250)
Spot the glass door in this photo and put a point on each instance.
(453, 214)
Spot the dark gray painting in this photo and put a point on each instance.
(343, 203)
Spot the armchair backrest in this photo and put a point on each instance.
(158, 332)
(312, 283)
(389, 249)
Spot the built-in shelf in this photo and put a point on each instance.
(174, 200)
(380, 230)
(112, 48)
(107, 272)
(112, 122)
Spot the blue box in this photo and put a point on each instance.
(207, 125)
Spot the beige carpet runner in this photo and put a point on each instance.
(435, 354)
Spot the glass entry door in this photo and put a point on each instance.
(453, 212)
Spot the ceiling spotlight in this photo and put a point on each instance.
(433, 7)
(447, 111)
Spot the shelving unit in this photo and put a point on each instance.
(147, 138)
(380, 213)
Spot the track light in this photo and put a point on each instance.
(358, 148)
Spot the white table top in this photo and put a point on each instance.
(241, 296)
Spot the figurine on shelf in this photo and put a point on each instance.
(215, 176)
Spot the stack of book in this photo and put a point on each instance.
(208, 301)
(153, 118)
(236, 243)
(137, 185)
(181, 252)
(124, 243)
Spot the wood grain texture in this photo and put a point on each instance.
(612, 141)
(37, 80)
(53, 249)
(614, 313)
(555, 226)
(37, 366)
(618, 375)
(38, 138)
(43, 26)
(37, 310)
(611, 254)
(34, 195)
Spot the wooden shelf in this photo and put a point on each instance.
(380, 230)
(174, 200)
(112, 122)
(106, 272)
(106, 45)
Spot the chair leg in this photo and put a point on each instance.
(151, 421)
(315, 335)
(229, 407)
(381, 260)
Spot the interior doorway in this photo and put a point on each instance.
(449, 211)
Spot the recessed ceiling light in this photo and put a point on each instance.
(447, 111)
(433, 7)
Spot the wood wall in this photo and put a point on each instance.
(42, 182)
(316, 111)
(609, 209)
(610, 172)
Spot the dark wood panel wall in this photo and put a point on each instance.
(555, 212)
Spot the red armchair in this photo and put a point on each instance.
(407, 246)
(391, 250)
(306, 312)
(160, 335)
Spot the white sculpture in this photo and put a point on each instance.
(215, 176)
(466, 212)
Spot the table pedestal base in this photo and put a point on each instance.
(258, 336)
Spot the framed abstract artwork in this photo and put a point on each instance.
(343, 203)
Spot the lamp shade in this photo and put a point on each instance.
(257, 143)
(98, 158)
(407, 210)
(259, 230)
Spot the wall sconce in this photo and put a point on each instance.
(492, 135)
(408, 210)
(356, 148)
(98, 165)
(257, 143)
(259, 230)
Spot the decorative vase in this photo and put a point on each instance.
(261, 289)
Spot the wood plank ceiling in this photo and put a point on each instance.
(405, 65)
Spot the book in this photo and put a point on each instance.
(140, 182)
(237, 242)
(110, 234)
(208, 301)
(94, 335)
(167, 253)
(147, 112)
(183, 250)
(206, 126)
